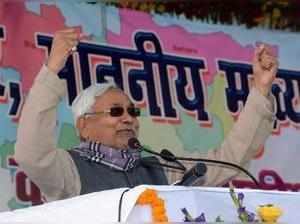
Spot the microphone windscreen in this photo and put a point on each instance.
(200, 169)
(194, 176)
(167, 155)
(134, 143)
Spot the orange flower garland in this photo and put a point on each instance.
(149, 196)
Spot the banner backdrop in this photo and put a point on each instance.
(190, 79)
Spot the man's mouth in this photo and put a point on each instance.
(126, 132)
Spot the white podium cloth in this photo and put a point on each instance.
(91, 208)
(217, 201)
(103, 207)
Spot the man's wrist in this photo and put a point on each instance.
(52, 68)
(263, 91)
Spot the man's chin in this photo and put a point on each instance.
(123, 141)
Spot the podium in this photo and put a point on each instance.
(120, 205)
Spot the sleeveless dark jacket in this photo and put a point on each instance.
(98, 177)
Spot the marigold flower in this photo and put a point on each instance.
(158, 210)
(142, 200)
(150, 196)
(160, 218)
(158, 203)
(150, 192)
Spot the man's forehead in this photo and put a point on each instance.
(113, 97)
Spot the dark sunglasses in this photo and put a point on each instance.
(119, 111)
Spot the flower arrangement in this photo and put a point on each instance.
(243, 214)
(265, 213)
(150, 197)
(201, 218)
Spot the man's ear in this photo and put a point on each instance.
(80, 125)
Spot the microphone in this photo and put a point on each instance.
(227, 164)
(165, 154)
(195, 176)
(168, 156)
(134, 143)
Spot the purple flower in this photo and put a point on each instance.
(184, 211)
(241, 210)
(246, 215)
(243, 214)
(200, 218)
(189, 218)
(241, 197)
(251, 217)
